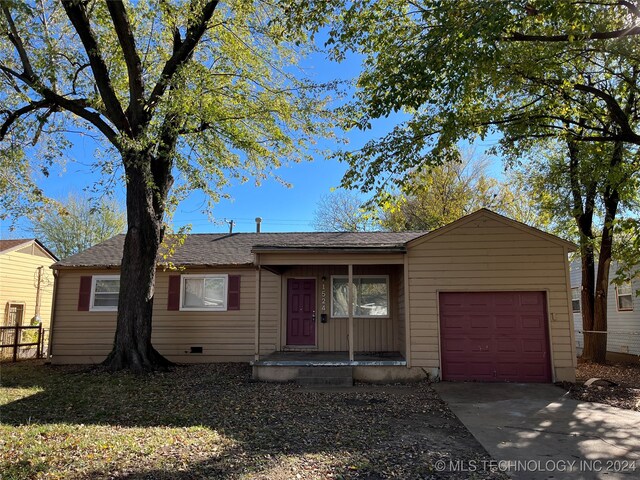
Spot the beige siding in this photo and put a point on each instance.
(370, 334)
(86, 337)
(18, 275)
(486, 254)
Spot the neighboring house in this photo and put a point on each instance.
(26, 282)
(482, 299)
(623, 312)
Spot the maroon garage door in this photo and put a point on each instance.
(494, 337)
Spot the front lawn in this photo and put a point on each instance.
(213, 421)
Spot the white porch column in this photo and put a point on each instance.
(350, 297)
(258, 288)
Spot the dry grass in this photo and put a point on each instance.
(212, 421)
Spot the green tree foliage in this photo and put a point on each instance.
(78, 223)
(183, 94)
(343, 211)
(431, 198)
(533, 71)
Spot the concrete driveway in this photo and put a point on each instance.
(535, 431)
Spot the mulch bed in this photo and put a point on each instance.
(623, 392)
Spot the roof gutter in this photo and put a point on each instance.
(275, 249)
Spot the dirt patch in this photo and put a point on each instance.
(623, 392)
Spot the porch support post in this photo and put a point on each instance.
(350, 297)
(407, 311)
(258, 288)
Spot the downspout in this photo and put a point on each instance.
(56, 275)
(38, 294)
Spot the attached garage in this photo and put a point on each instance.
(489, 301)
(494, 337)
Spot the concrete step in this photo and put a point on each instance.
(326, 381)
(325, 371)
(335, 376)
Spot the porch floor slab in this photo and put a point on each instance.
(325, 359)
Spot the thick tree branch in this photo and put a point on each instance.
(621, 33)
(79, 107)
(12, 116)
(122, 27)
(617, 113)
(15, 39)
(76, 11)
(182, 51)
(632, 7)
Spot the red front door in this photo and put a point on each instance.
(301, 311)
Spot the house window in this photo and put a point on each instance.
(371, 296)
(203, 292)
(575, 299)
(104, 292)
(624, 297)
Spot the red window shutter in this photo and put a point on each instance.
(233, 293)
(84, 297)
(173, 302)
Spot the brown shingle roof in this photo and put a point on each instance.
(7, 244)
(236, 249)
(12, 244)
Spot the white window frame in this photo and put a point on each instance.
(578, 298)
(346, 277)
(630, 294)
(94, 279)
(225, 299)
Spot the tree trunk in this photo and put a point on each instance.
(587, 297)
(132, 347)
(583, 194)
(597, 351)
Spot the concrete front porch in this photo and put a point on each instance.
(327, 359)
(318, 368)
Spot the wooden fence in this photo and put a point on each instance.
(12, 338)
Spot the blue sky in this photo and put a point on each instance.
(282, 209)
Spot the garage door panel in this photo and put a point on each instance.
(506, 346)
(534, 346)
(527, 300)
(455, 345)
(535, 322)
(480, 322)
(482, 369)
(494, 337)
(455, 321)
(505, 321)
(506, 300)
